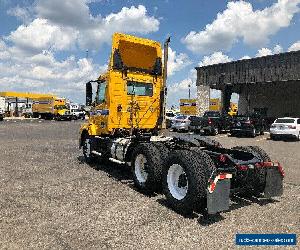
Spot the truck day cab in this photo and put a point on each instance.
(127, 117)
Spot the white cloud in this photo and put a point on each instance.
(295, 46)
(93, 31)
(277, 49)
(263, 52)
(128, 20)
(240, 21)
(267, 52)
(44, 74)
(24, 14)
(73, 13)
(215, 58)
(177, 62)
(180, 89)
(72, 24)
(28, 54)
(245, 58)
(40, 35)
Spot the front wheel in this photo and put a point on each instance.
(87, 150)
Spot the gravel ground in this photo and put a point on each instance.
(51, 199)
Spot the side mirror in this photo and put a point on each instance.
(89, 94)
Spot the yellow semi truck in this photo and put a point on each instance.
(51, 108)
(188, 106)
(126, 126)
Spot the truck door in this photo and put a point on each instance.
(101, 111)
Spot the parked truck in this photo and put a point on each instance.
(49, 108)
(125, 126)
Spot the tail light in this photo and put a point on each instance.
(291, 127)
(209, 121)
(273, 126)
(248, 122)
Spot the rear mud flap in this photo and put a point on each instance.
(218, 200)
(274, 183)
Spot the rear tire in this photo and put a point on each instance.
(146, 167)
(185, 178)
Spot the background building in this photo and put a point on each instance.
(269, 84)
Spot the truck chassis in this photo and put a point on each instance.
(193, 172)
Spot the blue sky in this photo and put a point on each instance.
(43, 43)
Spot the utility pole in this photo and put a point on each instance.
(189, 91)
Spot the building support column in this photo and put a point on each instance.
(203, 96)
(226, 96)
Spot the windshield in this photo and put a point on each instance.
(285, 121)
(60, 107)
(139, 88)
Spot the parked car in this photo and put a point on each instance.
(181, 123)
(285, 127)
(170, 117)
(196, 124)
(214, 122)
(252, 125)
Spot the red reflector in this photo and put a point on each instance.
(222, 158)
(268, 164)
(212, 187)
(242, 167)
(280, 169)
(222, 176)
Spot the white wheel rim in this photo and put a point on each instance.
(140, 168)
(178, 190)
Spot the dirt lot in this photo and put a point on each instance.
(51, 199)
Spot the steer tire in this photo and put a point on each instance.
(197, 167)
(260, 173)
(89, 157)
(153, 168)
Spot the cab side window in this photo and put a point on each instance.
(298, 121)
(101, 93)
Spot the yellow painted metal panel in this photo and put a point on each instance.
(188, 106)
(26, 95)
